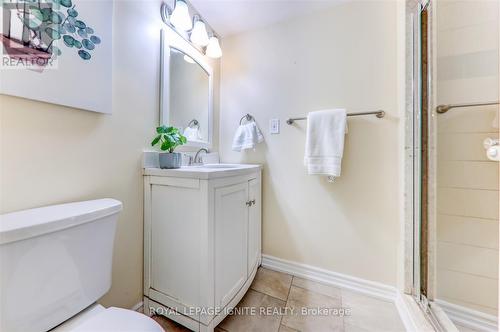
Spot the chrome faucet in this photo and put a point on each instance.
(197, 158)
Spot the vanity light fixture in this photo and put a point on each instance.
(199, 35)
(213, 49)
(180, 18)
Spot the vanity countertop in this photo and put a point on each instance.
(208, 171)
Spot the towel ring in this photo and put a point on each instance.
(194, 122)
(247, 117)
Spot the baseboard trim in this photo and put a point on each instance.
(137, 306)
(470, 318)
(355, 284)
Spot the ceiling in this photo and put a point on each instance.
(229, 17)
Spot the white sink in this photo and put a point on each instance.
(207, 171)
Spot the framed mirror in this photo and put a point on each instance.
(186, 89)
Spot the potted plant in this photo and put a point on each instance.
(169, 138)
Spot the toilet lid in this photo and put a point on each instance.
(119, 320)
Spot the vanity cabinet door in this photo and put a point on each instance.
(254, 224)
(231, 218)
(175, 243)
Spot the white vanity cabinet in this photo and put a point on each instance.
(202, 241)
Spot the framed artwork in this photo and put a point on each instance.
(58, 51)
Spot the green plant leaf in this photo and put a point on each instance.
(36, 13)
(156, 140)
(170, 138)
(55, 50)
(70, 27)
(33, 19)
(46, 12)
(56, 4)
(72, 12)
(62, 29)
(65, 3)
(161, 129)
(77, 44)
(165, 146)
(96, 40)
(53, 34)
(80, 24)
(84, 55)
(88, 44)
(56, 17)
(82, 33)
(69, 41)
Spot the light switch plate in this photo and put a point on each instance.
(274, 126)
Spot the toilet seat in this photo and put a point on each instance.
(112, 319)
(119, 320)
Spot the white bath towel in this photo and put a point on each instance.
(325, 142)
(247, 136)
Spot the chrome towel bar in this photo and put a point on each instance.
(379, 114)
(445, 108)
(247, 117)
(194, 122)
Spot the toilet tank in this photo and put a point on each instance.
(54, 262)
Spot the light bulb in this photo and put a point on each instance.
(180, 16)
(213, 48)
(199, 35)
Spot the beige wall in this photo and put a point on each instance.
(467, 195)
(343, 57)
(52, 154)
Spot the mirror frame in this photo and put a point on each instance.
(171, 39)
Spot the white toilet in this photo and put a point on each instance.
(55, 263)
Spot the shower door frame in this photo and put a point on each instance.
(420, 162)
(420, 271)
(414, 156)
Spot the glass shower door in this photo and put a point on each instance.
(466, 188)
(456, 183)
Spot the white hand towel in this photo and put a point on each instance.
(192, 134)
(325, 142)
(247, 136)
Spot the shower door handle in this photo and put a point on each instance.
(492, 146)
(490, 142)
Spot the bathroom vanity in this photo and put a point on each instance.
(202, 240)
(202, 224)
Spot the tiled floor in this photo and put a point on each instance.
(290, 304)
